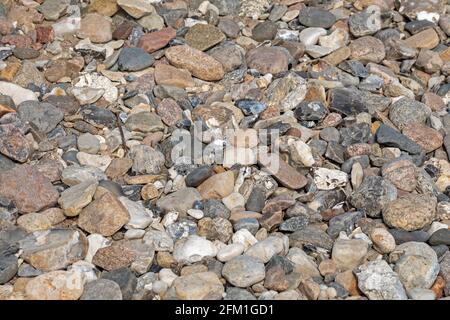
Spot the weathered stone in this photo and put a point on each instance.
(105, 216)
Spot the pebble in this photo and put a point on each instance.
(199, 64)
(75, 198)
(198, 286)
(105, 216)
(101, 289)
(243, 271)
(317, 132)
(378, 281)
(134, 59)
(55, 286)
(203, 36)
(411, 212)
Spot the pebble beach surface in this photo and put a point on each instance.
(224, 149)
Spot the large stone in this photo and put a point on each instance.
(56, 285)
(74, 199)
(283, 172)
(411, 212)
(268, 59)
(180, 201)
(171, 76)
(53, 249)
(405, 111)
(43, 115)
(349, 254)
(96, 27)
(101, 289)
(156, 40)
(28, 188)
(195, 61)
(193, 249)
(13, 143)
(197, 286)
(243, 271)
(378, 281)
(146, 160)
(204, 36)
(218, 186)
(373, 195)
(136, 8)
(105, 216)
(16, 92)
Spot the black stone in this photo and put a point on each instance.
(389, 137)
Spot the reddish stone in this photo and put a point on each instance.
(44, 34)
(428, 138)
(13, 143)
(169, 111)
(113, 257)
(17, 40)
(123, 31)
(153, 41)
(29, 189)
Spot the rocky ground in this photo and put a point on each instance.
(348, 98)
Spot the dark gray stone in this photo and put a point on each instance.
(316, 17)
(43, 115)
(134, 59)
(391, 138)
(344, 222)
(102, 289)
(126, 280)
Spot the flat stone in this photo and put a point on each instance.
(105, 216)
(53, 249)
(203, 36)
(428, 138)
(405, 111)
(326, 179)
(349, 254)
(113, 257)
(16, 92)
(179, 201)
(96, 27)
(367, 49)
(43, 115)
(171, 76)
(392, 138)
(53, 9)
(74, 199)
(195, 61)
(310, 36)
(401, 173)
(55, 285)
(316, 17)
(144, 122)
(441, 236)
(198, 175)
(197, 286)
(29, 189)
(217, 186)
(101, 289)
(427, 39)
(156, 40)
(263, 31)
(243, 271)
(267, 60)
(136, 8)
(169, 111)
(411, 212)
(134, 59)
(284, 173)
(146, 160)
(230, 55)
